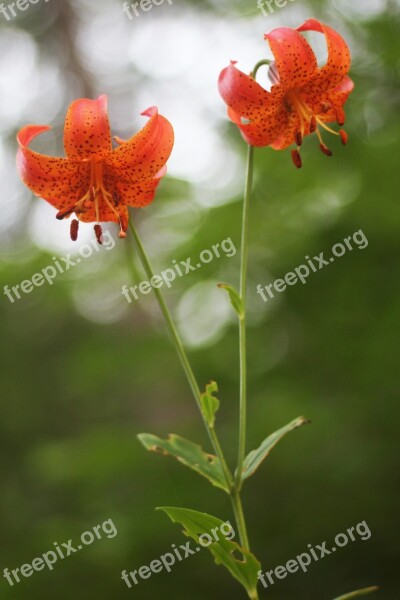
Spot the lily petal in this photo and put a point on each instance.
(87, 129)
(59, 181)
(328, 105)
(339, 57)
(244, 95)
(295, 60)
(138, 193)
(144, 154)
(287, 135)
(264, 131)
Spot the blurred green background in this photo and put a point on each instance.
(83, 371)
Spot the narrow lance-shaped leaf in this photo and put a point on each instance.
(358, 593)
(204, 529)
(189, 454)
(256, 457)
(209, 403)
(234, 297)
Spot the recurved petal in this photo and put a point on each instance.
(339, 57)
(146, 153)
(294, 57)
(87, 129)
(244, 95)
(265, 130)
(60, 181)
(138, 193)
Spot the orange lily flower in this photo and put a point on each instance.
(94, 181)
(303, 97)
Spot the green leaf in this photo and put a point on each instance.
(234, 297)
(242, 565)
(189, 454)
(256, 457)
(210, 404)
(358, 593)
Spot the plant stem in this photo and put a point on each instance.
(182, 355)
(242, 320)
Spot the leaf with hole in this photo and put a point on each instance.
(200, 526)
(189, 454)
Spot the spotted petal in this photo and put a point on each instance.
(244, 95)
(87, 129)
(144, 154)
(265, 130)
(295, 60)
(339, 58)
(58, 180)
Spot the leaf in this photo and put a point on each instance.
(189, 454)
(358, 593)
(256, 457)
(210, 404)
(234, 297)
(225, 551)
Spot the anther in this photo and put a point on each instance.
(343, 136)
(65, 213)
(99, 232)
(313, 124)
(74, 230)
(298, 138)
(325, 150)
(296, 158)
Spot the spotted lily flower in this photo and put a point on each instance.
(303, 97)
(94, 181)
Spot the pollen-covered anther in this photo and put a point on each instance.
(298, 138)
(99, 233)
(296, 158)
(313, 124)
(343, 136)
(325, 150)
(74, 229)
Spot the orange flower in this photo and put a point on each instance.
(96, 182)
(303, 97)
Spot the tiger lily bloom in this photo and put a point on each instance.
(303, 97)
(94, 181)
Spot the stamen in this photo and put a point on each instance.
(65, 213)
(296, 158)
(74, 230)
(343, 136)
(325, 150)
(298, 138)
(99, 232)
(313, 124)
(340, 117)
(326, 127)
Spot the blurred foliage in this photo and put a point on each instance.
(83, 371)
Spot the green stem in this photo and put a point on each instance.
(182, 355)
(242, 320)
